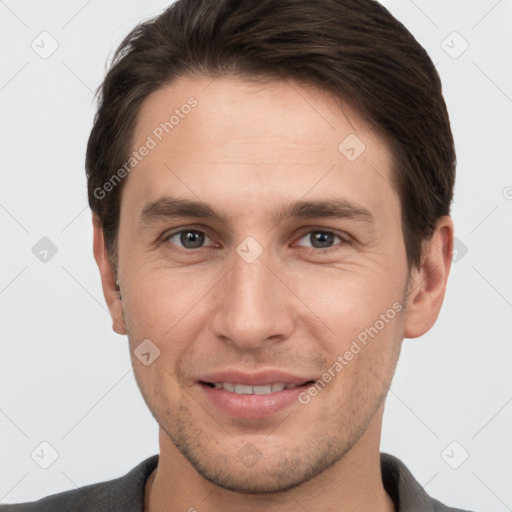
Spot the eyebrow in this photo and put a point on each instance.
(172, 207)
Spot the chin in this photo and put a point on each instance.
(251, 481)
(268, 474)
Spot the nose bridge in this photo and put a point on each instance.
(252, 305)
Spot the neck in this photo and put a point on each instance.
(355, 480)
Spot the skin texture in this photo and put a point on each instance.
(249, 150)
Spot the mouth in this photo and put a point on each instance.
(242, 400)
(265, 389)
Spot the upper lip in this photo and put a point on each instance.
(260, 378)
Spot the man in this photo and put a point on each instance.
(271, 185)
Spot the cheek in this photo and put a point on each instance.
(363, 309)
(348, 300)
(156, 295)
(166, 306)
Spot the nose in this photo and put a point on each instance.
(253, 306)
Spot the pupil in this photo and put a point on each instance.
(324, 239)
(192, 239)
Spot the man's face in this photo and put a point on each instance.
(291, 298)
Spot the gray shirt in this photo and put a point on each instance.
(126, 494)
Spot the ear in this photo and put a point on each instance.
(427, 283)
(108, 279)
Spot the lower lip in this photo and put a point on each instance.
(253, 406)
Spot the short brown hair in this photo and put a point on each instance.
(354, 49)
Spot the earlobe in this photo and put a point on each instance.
(111, 290)
(427, 285)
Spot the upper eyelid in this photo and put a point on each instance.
(190, 227)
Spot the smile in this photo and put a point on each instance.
(244, 389)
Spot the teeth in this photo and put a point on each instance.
(244, 389)
(262, 390)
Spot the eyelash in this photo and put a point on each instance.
(315, 250)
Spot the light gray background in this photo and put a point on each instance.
(65, 377)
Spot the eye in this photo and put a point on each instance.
(321, 239)
(188, 238)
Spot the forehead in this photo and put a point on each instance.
(230, 139)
